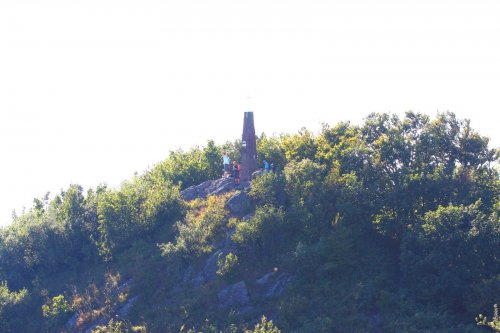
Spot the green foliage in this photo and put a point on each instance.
(299, 146)
(450, 254)
(390, 226)
(57, 310)
(137, 210)
(186, 168)
(10, 298)
(201, 227)
(56, 307)
(494, 323)
(264, 326)
(271, 149)
(341, 145)
(227, 265)
(263, 235)
(10, 306)
(119, 327)
(268, 189)
(308, 200)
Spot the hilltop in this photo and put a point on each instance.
(391, 226)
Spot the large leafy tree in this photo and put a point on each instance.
(452, 255)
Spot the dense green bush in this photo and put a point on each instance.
(11, 306)
(448, 258)
(137, 210)
(268, 189)
(263, 235)
(199, 230)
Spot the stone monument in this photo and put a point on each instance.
(249, 148)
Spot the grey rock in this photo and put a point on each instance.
(72, 321)
(264, 280)
(278, 286)
(235, 295)
(91, 328)
(125, 309)
(228, 242)
(273, 284)
(188, 274)
(239, 204)
(209, 187)
(210, 268)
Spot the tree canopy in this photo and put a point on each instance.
(389, 226)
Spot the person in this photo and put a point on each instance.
(225, 162)
(236, 173)
(266, 166)
(273, 168)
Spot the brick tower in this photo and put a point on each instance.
(249, 148)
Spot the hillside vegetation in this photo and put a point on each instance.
(391, 226)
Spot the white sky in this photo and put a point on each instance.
(92, 91)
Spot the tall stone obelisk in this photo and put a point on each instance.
(249, 148)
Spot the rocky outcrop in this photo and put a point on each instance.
(71, 323)
(274, 284)
(211, 265)
(235, 295)
(125, 309)
(264, 280)
(280, 284)
(239, 204)
(210, 187)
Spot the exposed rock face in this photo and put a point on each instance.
(228, 242)
(211, 267)
(278, 287)
(273, 284)
(264, 280)
(239, 204)
(235, 295)
(72, 321)
(210, 187)
(125, 309)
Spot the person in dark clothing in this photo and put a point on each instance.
(236, 172)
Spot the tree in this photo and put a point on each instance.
(135, 211)
(56, 311)
(265, 326)
(9, 306)
(299, 146)
(448, 257)
(494, 323)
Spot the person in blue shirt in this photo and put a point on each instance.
(226, 161)
(266, 166)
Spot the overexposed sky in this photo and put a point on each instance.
(92, 91)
